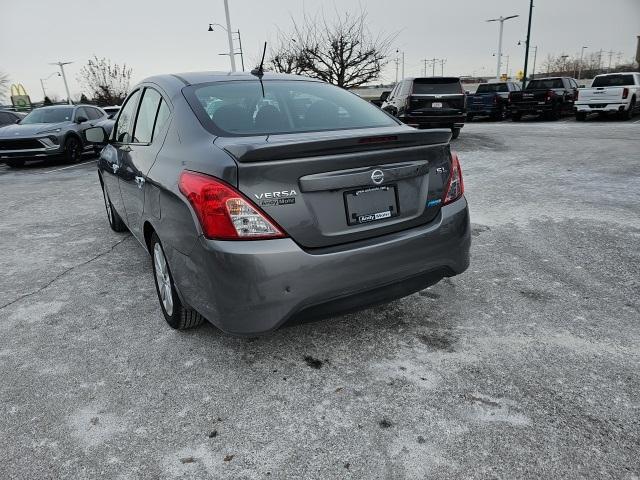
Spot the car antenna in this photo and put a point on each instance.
(259, 70)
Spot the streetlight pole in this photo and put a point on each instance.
(501, 19)
(526, 50)
(42, 80)
(64, 78)
(580, 64)
(229, 37)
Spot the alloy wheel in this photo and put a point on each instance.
(163, 279)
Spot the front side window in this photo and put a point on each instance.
(49, 115)
(94, 113)
(287, 106)
(125, 120)
(143, 132)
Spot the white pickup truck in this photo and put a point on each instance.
(609, 93)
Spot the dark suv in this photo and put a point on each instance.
(435, 102)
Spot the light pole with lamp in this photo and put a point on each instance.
(237, 32)
(580, 64)
(66, 87)
(500, 19)
(42, 80)
(535, 54)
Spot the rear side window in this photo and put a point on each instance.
(125, 119)
(427, 86)
(492, 88)
(545, 83)
(613, 81)
(287, 106)
(143, 131)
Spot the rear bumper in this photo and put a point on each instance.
(482, 109)
(249, 288)
(600, 107)
(434, 121)
(531, 108)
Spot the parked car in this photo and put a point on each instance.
(490, 100)
(610, 93)
(48, 132)
(550, 97)
(289, 199)
(112, 111)
(8, 117)
(434, 102)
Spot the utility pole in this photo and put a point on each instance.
(535, 54)
(229, 37)
(600, 61)
(42, 80)
(502, 19)
(507, 66)
(241, 53)
(610, 52)
(425, 67)
(526, 48)
(64, 78)
(396, 61)
(403, 64)
(564, 62)
(442, 62)
(580, 65)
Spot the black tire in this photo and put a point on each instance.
(516, 116)
(455, 133)
(581, 116)
(72, 149)
(499, 115)
(178, 316)
(115, 221)
(555, 113)
(628, 114)
(15, 163)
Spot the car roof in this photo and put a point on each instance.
(451, 79)
(617, 73)
(179, 80)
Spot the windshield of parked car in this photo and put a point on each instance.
(48, 115)
(612, 81)
(427, 86)
(287, 106)
(492, 88)
(545, 83)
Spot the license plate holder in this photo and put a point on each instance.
(436, 105)
(371, 204)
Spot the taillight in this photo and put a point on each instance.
(549, 95)
(223, 212)
(455, 184)
(625, 93)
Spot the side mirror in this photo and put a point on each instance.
(18, 120)
(81, 119)
(385, 95)
(96, 135)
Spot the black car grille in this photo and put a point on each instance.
(20, 144)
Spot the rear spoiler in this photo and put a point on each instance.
(281, 147)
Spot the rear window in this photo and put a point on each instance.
(426, 86)
(287, 106)
(545, 83)
(613, 81)
(492, 88)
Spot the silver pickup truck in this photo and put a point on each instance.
(610, 93)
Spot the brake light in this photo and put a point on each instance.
(455, 184)
(625, 93)
(549, 95)
(223, 212)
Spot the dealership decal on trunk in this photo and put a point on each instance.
(272, 199)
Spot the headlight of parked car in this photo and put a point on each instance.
(55, 130)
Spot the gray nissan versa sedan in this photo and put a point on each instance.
(275, 199)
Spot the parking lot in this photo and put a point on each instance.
(525, 366)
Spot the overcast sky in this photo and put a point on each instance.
(171, 36)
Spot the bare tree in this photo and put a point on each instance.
(342, 51)
(4, 85)
(107, 83)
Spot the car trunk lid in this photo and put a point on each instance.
(328, 188)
